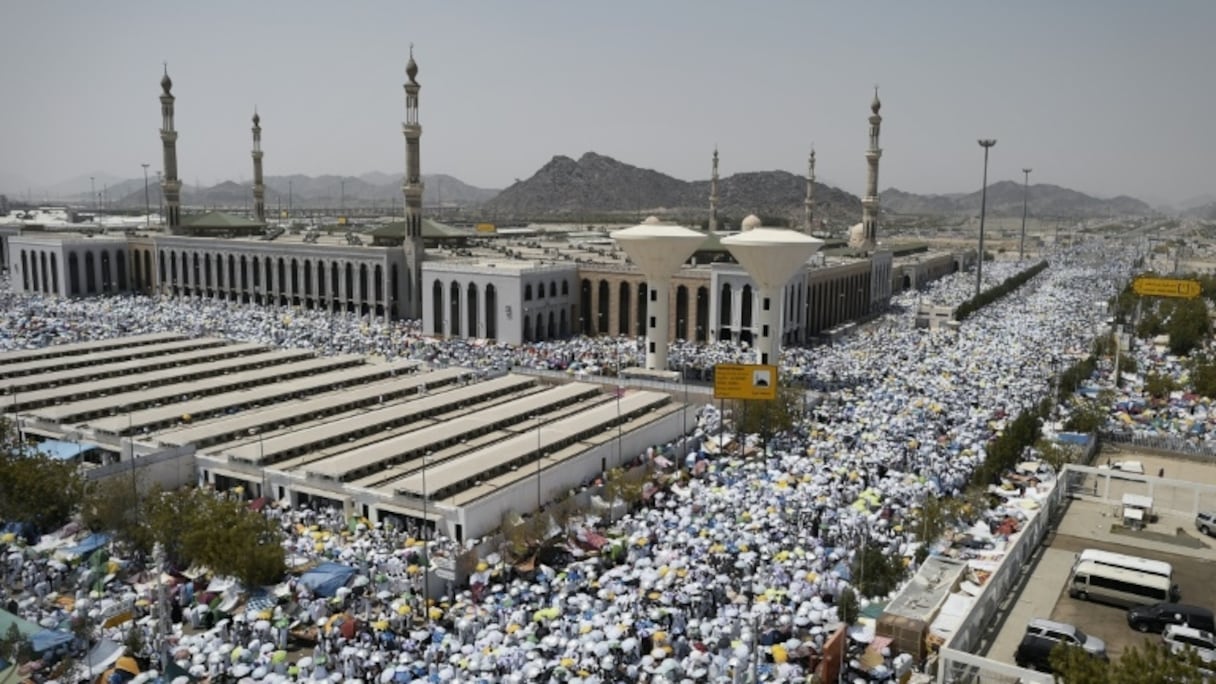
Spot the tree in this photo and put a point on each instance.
(847, 608)
(113, 505)
(1188, 325)
(876, 572)
(769, 416)
(1203, 375)
(1159, 385)
(1143, 663)
(38, 490)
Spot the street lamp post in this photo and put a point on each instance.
(539, 418)
(426, 549)
(1025, 195)
(161, 214)
(343, 208)
(147, 199)
(985, 143)
(93, 193)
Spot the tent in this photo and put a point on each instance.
(64, 451)
(89, 544)
(325, 579)
(49, 639)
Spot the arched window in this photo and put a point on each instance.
(334, 291)
(552, 332)
(295, 278)
(54, 273)
(623, 309)
(604, 301)
(232, 277)
(320, 278)
(471, 309)
(107, 279)
(90, 274)
(552, 288)
(363, 282)
(437, 307)
(350, 281)
(74, 274)
(307, 278)
(282, 276)
(43, 271)
(206, 270)
(25, 271)
(528, 292)
(584, 308)
(682, 312)
(245, 275)
(120, 265)
(378, 282)
(161, 264)
(527, 328)
(565, 288)
(454, 305)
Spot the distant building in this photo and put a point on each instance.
(533, 286)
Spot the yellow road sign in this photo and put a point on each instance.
(745, 381)
(1166, 287)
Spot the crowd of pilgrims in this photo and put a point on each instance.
(731, 574)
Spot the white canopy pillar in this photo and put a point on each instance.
(659, 251)
(771, 257)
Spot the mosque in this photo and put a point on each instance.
(548, 285)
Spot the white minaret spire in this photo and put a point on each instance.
(809, 205)
(869, 203)
(713, 195)
(259, 190)
(411, 187)
(170, 186)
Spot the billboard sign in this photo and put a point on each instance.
(745, 381)
(1166, 287)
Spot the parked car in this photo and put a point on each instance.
(1206, 522)
(1043, 635)
(1179, 637)
(1157, 617)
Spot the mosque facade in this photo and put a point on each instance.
(457, 293)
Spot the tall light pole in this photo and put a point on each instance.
(426, 549)
(979, 264)
(343, 207)
(1025, 195)
(161, 214)
(147, 199)
(93, 193)
(539, 418)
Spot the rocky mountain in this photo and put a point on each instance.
(600, 186)
(1005, 199)
(1205, 212)
(318, 192)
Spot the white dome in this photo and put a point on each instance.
(651, 221)
(752, 221)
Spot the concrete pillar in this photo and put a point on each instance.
(657, 315)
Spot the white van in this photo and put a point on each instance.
(1091, 581)
(1122, 560)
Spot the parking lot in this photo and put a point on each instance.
(1095, 525)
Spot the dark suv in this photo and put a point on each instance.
(1154, 618)
(1043, 635)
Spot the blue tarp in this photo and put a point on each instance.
(64, 451)
(325, 579)
(1073, 438)
(48, 639)
(89, 544)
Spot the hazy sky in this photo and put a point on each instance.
(1105, 96)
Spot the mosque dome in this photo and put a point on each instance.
(651, 221)
(752, 221)
(411, 68)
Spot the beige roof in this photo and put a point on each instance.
(85, 347)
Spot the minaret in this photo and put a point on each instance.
(713, 195)
(259, 190)
(869, 203)
(170, 186)
(412, 188)
(809, 205)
